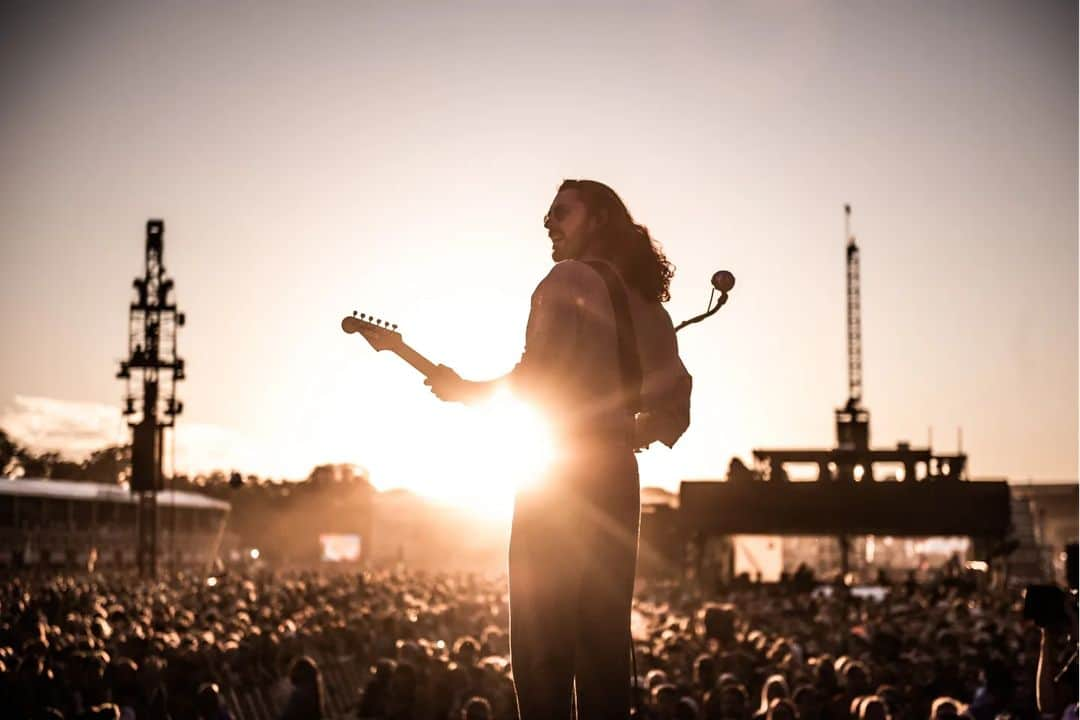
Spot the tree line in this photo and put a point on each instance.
(111, 465)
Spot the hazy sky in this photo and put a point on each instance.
(314, 158)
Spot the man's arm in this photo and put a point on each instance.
(447, 385)
(550, 341)
(665, 389)
(668, 421)
(1046, 696)
(1049, 695)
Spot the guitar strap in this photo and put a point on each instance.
(629, 361)
(630, 366)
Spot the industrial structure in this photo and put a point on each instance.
(150, 401)
(928, 494)
(852, 460)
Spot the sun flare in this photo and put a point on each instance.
(502, 446)
(519, 452)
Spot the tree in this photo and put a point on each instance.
(110, 465)
(10, 454)
(39, 466)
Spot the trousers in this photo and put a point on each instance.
(573, 551)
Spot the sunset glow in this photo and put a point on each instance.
(507, 446)
(398, 159)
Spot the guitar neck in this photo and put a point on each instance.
(418, 361)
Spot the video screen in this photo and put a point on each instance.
(340, 548)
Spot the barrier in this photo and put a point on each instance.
(343, 680)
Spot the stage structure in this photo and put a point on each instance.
(852, 460)
(927, 495)
(152, 327)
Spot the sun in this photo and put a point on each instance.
(500, 447)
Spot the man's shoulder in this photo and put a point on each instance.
(569, 275)
(573, 269)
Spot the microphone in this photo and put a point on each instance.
(723, 280)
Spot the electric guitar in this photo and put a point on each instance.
(384, 336)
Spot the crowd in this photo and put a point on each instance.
(427, 647)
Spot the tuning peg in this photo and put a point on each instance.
(354, 313)
(393, 327)
(363, 316)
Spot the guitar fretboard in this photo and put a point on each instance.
(418, 361)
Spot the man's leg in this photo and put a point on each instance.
(543, 606)
(602, 665)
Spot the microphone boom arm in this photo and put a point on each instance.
(708, 313)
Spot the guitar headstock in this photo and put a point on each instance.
(381, 334)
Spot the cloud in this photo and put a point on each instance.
(76, 429)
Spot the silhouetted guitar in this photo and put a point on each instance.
(384, 336)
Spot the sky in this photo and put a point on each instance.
(396, 158)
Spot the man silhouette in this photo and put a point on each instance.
(601, 361)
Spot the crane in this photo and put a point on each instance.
(854, 317)
(853, 420)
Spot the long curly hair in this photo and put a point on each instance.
(626, 244)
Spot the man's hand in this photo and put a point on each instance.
(643, 432)
(447, 385)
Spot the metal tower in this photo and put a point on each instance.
(853, 420)
(854, 316)
(152, 328)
